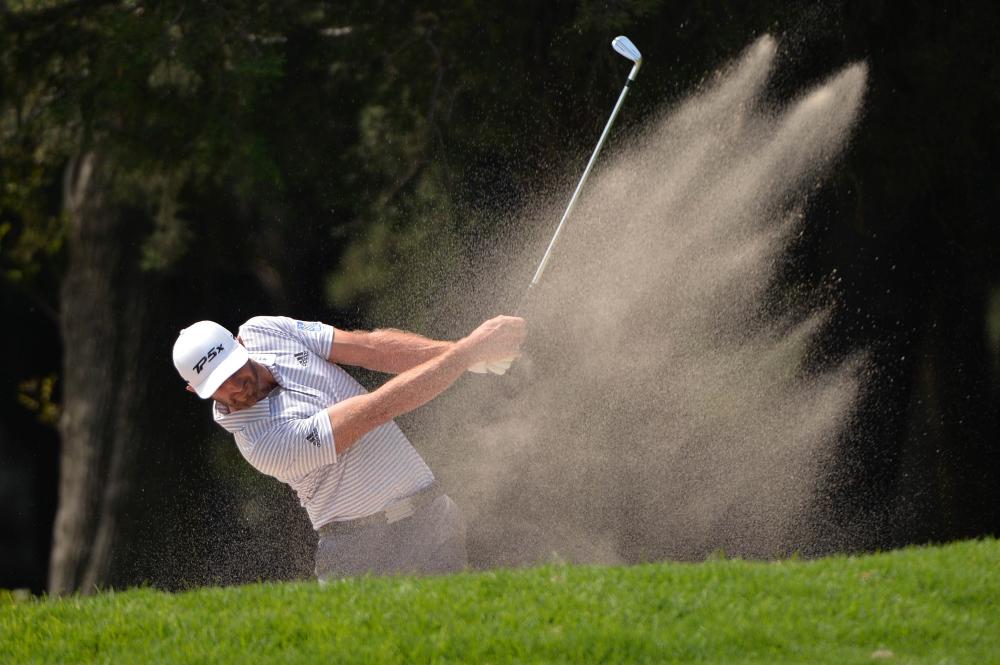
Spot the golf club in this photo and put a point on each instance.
(624, 46)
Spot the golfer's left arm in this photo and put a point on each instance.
(384, 350)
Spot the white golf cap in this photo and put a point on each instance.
(206, 354)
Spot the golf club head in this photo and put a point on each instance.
(625, 47)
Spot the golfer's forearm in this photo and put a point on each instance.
(355, 417)
(386, 350)
(398, 351)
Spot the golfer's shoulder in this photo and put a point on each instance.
(278, 437)
(265, 445)
(268, 429)
(288, 335)
(267, 326)
(267, 322)
(284, 325)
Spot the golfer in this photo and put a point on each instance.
(297, 416)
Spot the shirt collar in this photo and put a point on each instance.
(235, 421)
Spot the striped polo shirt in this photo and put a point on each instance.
(288, 435)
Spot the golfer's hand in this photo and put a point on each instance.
(495, 341)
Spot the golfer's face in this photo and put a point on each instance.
(239, 391)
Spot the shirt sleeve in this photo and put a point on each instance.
(314, 335)
(295, 447)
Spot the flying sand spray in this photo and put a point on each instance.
(624, 46)
(682, 400)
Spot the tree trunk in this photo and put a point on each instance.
(102, 307)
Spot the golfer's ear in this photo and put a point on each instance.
(240, 340)
(189, 388)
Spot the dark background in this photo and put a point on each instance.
(302, 188)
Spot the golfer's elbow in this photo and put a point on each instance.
(353, 418)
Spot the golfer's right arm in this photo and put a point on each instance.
(352, 418)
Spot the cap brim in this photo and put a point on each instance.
(226, 369)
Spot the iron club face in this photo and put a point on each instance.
(624, 46)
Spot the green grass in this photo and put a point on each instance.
(919, 605)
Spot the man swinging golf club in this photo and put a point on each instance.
(300, 418)
(297, 416)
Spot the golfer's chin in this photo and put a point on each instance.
(243, 399)
(238, 405)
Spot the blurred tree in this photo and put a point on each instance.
(131, 103)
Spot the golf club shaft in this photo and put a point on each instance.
(583, 179)
(501, 366)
